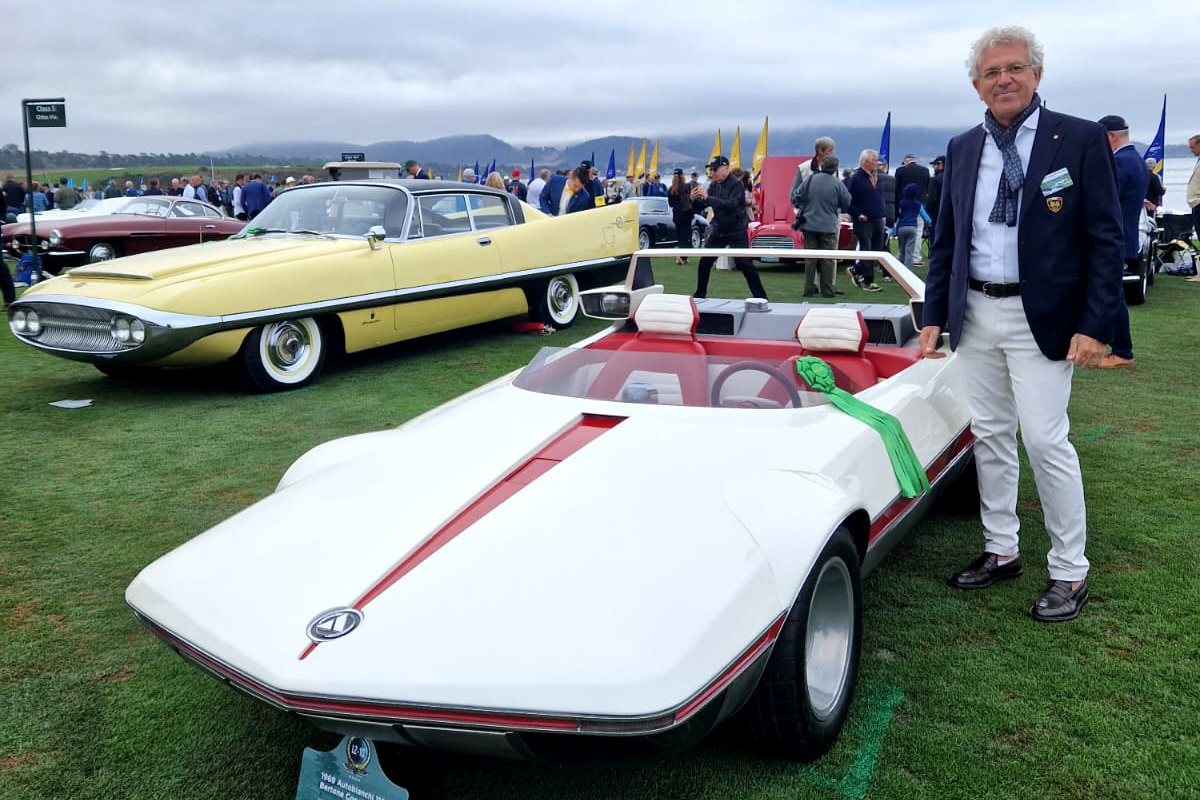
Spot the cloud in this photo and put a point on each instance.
(157, 78)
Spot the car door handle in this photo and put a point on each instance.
(210, 227)
(484, 241)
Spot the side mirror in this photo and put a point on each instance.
(375, 235)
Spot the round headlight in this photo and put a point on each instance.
(19, 321)
(32, 324)
(137, 331)
(55, 237)
(120, 329)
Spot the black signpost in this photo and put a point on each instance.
(354, 156)
(47, 113)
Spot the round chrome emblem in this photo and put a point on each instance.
(334, 624)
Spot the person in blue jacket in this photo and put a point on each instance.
(552, 194)
(581, 198)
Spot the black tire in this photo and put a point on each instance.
(801, 702)
(103, 251)
(697, 238)
(645, 239)
(282, 355)
(557, 302)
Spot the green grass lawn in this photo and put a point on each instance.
(960, 695)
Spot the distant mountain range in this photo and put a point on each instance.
(688, 152)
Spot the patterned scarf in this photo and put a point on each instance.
(1005, 207)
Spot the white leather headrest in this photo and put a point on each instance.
(832, 329)
(667, 313)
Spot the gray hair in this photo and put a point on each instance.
(823, 144)
(1012, 34)
(1193, 139)
(830, 164)
(544, 174)
(867, 155)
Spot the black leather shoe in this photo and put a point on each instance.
(1058, 602)
(984, 571)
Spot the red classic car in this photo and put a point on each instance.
(773, 228)
(140, 225)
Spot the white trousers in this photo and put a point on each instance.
(1008, 381)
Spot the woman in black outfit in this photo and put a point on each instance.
(679, 198)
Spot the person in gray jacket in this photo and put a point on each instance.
(827, 197)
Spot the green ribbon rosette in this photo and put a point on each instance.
(909, 472)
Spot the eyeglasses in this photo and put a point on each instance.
(1013, 70)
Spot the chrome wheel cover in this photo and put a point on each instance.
(288, 349)
(561, 299)
(829, 639)
(101, 252)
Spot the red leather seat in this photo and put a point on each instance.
(665, 345)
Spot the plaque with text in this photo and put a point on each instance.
(350, 771)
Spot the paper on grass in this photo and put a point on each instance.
(71, 403)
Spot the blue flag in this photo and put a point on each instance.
(492, 168)
(593, 161)
(70, 183)
(885, 143)
(531, 172)
(476, 172)
(1156, 148)
(84, 186)
(611, 172)
(272, 177)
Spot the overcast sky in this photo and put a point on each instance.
(176, 77)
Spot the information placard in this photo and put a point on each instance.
(46, 115)
(354, 156)
(350, 771)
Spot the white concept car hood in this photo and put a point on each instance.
(604, 583)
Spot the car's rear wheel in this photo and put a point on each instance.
(645, 240)
(697, 238)
(282, 355)
(558, 301)
(801, 702)
(102, 251)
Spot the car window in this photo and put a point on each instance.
(488, 212)
(654, 205)
(335, 209)
(212, 213)
(186, 209)
(442, 214)
(146, 205)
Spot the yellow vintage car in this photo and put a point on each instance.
(346, 266)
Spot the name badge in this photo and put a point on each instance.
(1056, 181)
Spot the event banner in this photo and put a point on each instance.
(348, 772)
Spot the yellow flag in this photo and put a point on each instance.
(654, 159)
(716, 151)
(629, 169)
(760, 152)
(641, 163)
(460, 173)
(735, 152)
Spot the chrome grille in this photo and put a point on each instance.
(784, 242)
(78, 328)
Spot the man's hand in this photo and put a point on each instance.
(1085, 351)
(931, 337)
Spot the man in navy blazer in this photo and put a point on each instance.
(552, 194)
(1025, 274)
(581, 198)
(1132, 179)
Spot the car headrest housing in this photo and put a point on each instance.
(829, 329)
(674, 314)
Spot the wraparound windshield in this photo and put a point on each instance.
(667, 378)
(332, 209)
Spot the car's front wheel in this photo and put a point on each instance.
(558, 302)
(102, 251)
(801, 702)
(282, 355)
(697, 238)
(645, 240)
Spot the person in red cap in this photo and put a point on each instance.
(515, 186)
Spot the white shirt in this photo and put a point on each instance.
(533, 195)
(238, 206)
(994, 244)
(189, 191)
(564, 201)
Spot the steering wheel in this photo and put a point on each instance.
(753, 366)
